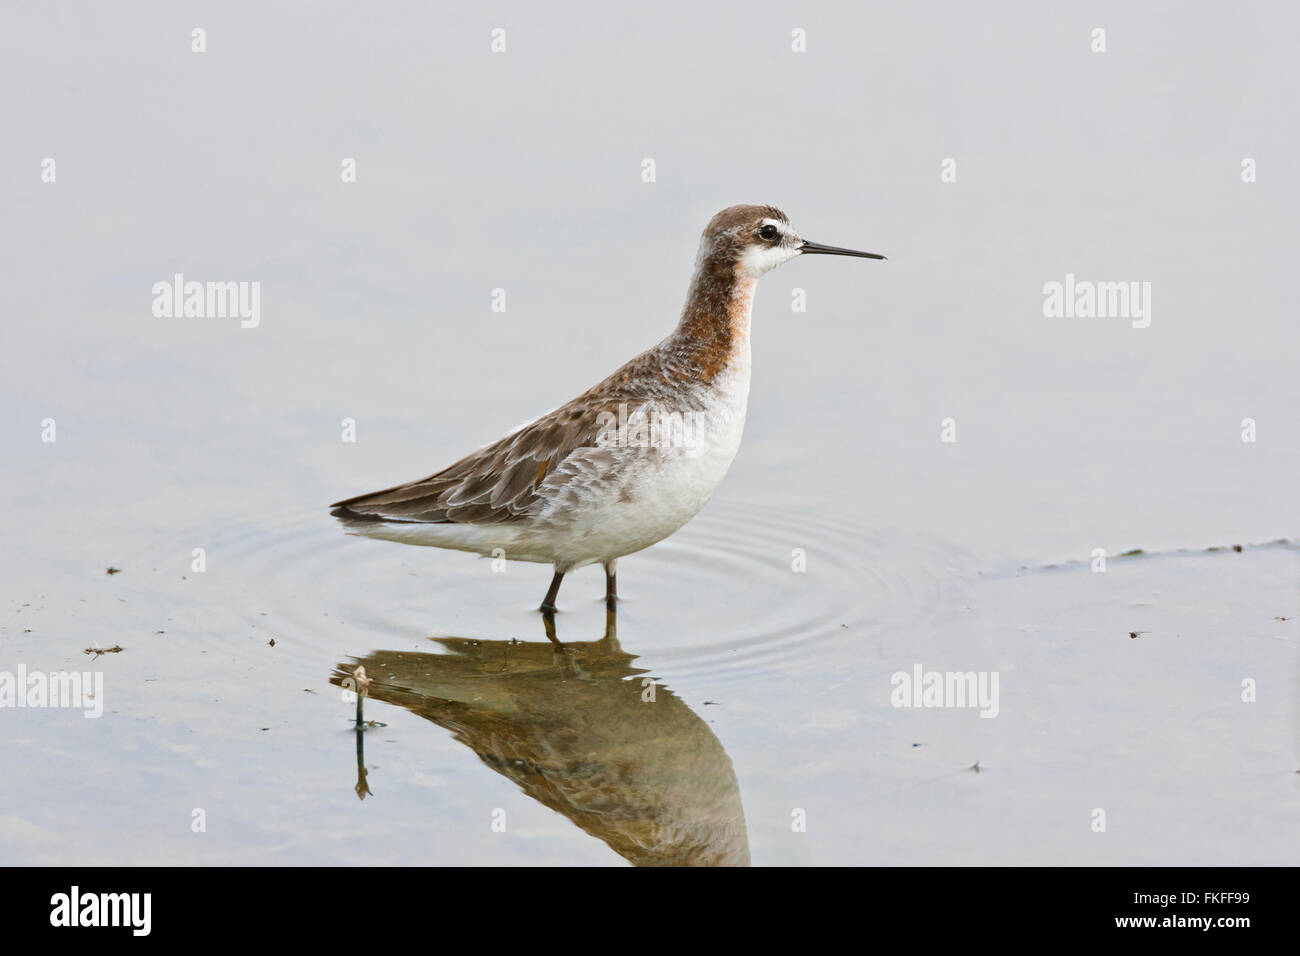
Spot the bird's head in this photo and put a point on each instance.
(757, 239)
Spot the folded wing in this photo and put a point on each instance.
(495, 484)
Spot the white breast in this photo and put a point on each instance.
(607, 502)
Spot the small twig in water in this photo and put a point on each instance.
(363, 688)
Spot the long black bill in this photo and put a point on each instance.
(816, 248)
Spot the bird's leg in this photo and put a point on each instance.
(548, 620)
(548, 602)
(611, 585)
(610, 637)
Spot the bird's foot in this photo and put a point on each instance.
(548, 621)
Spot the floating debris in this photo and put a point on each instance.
(1289, 543)
(1134, 635)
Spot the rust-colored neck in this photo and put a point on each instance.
(715, 319)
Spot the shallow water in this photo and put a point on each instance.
(771, 694)
(848, 544)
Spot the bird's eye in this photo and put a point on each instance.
(768, 232)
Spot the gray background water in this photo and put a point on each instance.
(522, 171)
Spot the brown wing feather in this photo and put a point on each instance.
(499, 483)
(494, 484)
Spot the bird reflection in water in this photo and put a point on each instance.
(580, 730)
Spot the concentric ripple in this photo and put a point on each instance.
(772, 588)
(738, 590)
